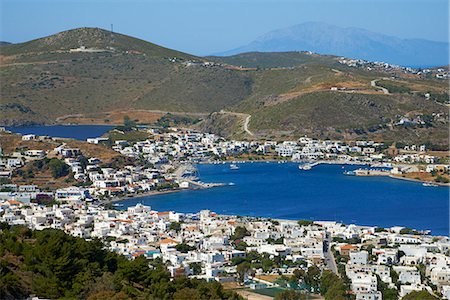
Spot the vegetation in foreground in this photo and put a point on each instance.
(52, 264)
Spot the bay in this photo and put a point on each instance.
(283, 191)
(78, 132)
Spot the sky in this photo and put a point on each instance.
(204, 27)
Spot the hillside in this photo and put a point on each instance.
(91, 38)
(274, 59)
(44, 80)
(350, 42)
(89, 75)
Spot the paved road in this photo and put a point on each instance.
(329, 256)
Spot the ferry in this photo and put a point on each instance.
(429, 183)
(234, 167)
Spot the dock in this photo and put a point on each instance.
(371, 172)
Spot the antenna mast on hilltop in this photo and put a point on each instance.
(112, 33)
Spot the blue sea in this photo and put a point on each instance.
(323, 193)
(78, 132)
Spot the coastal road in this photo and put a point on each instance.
(330, 262)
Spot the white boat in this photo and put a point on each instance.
(351, 173)
(305, 167)
(429, 184)
(234, 167)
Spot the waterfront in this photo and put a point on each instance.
(78, 132)
(323, 193)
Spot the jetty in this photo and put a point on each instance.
(308, 166)
(202, 185)
(371, 172)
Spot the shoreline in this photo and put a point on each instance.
(155, 193)
(440, 184)
(141, 195)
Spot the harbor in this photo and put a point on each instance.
(282, 191)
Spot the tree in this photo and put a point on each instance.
(407, 230)
(278, 241)
(239, 233)
(53, 264)
(58, 168)
(422, 295)
(241, 246)
(388, 294)
(184, 248)
(196, 268)
(242, 269)
(305, 223)
(289, 295)
(312, 277)
(299, 274)
(331, 286)
(10, 285)
(186, 294)
(175, 226)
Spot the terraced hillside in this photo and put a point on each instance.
(90, 75)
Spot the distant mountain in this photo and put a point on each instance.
(2, 43)
(350, 42)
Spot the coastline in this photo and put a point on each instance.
(141, 195)
(419, 181)
(331, 162)
(155, 193)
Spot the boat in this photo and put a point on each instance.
(117, 205)
(350, 173)
(429, 183)
(305, 167)
(234, 167)
(231, 183)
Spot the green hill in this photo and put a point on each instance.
(87, 74)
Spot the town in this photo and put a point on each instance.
(257, 254)
(166, 161)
